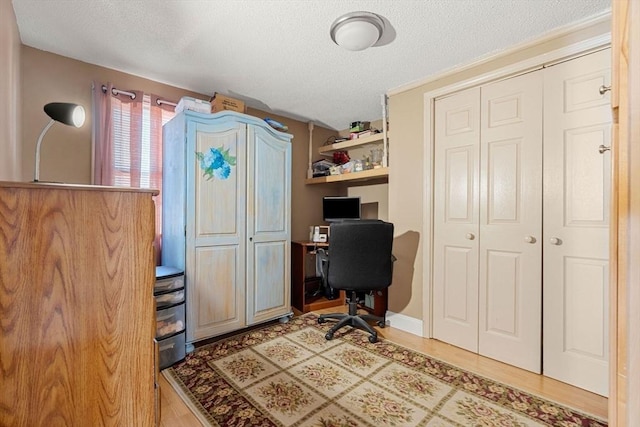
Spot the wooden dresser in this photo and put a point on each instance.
(77, 315)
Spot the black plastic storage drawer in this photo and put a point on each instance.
(170, 320)
(170, 298)
(172, 350)
(168, 283)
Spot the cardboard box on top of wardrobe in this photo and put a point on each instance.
(221, 102)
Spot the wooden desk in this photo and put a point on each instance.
(300, 282)
(375, 302)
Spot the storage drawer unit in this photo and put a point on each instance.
(169, 294)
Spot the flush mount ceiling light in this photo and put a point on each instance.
(357, 30)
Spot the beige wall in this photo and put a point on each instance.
(306, 200)
(9, 94)
(375, 194)
(408, 173)
(66, 151)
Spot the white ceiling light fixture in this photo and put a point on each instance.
(357, 30)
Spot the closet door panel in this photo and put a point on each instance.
(456, 220)
(511, 221)
(576, 235)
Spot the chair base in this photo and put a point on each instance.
(353, 319)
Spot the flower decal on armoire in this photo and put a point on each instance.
(216, 163)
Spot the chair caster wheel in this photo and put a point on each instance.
(329, 336)
(381, 324)
(373, 339)
(321, 320)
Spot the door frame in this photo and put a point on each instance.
(532, 64)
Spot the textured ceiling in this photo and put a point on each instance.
(277, 55)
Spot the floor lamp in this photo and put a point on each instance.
(69, 114)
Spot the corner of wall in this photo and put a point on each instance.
(10, 131)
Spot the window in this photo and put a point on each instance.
(147, 171)
(128, 142)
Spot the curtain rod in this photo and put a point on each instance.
(133, 96)
(162, 101)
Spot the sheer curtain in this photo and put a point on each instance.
(128, 141)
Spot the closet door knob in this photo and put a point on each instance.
(604, 89)
(530, 239)
(555, 241)
(603, 148)
(470, 236)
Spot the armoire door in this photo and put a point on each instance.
(456, 215)
(268, 226)
(510, 288)
(215, 228)
(577, 173)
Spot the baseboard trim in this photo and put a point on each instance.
(405, 323)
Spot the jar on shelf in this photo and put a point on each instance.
(366, 163)
(376, 157)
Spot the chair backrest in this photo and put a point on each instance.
(360, 255)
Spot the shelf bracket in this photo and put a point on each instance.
(385, 144)
(310, 168)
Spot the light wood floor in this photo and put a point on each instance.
(176, 414)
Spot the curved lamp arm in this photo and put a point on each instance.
(36, 175)
(63, 112)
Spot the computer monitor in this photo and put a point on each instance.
(338, 208)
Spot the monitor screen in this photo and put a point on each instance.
(339, 208)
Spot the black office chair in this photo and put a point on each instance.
(359, 260)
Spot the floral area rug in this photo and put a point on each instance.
(289, 375)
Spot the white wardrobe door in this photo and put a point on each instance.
(511, 221)
(268, 226)
(455, 289)
(576, 221)
(215, 249)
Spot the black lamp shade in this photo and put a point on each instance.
(63, 112)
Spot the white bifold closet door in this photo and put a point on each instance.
(456, 219)
(510, 279)
(487, 220)
(577, 181)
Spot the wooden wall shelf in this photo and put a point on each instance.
(380, 140)
(353, 176)
(375, 139)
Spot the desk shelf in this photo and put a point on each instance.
(353, 176)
